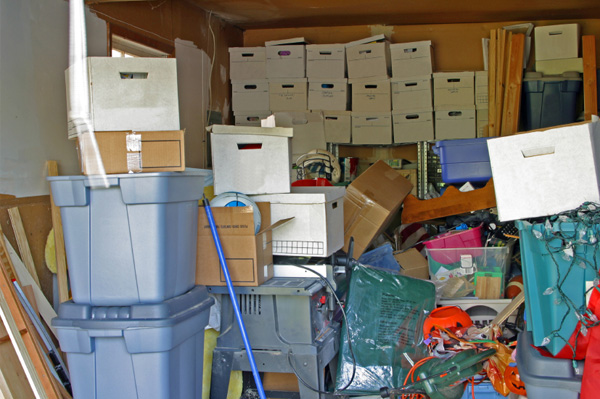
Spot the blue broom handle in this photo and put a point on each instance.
(236, 307)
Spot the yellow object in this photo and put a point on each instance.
(235, 382)
(50, 252)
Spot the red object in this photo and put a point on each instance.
(446, 317)
(319, 181)
(590, 384)
(322, 300)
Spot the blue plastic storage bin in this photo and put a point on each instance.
(550, 100)
(485, 390)
(542, 267)
(465, 160)
(545, 377)
(133, 242)
(137, 352)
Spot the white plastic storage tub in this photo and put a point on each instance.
(137, 352)
(133, 242)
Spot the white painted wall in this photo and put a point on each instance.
(33, 116)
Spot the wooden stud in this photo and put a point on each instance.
(590, 88)
(59, 241)
(500, 79)
(492, 83)
(23, 244)
(13, 381)
(509, 309)
(514, 79)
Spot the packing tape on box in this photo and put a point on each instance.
(233, 198)
(134, 152)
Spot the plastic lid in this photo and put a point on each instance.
(529, 76)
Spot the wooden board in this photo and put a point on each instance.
(14, 384)
(22, 242)
(500, 51)
(492, 83)
(508, 310)
(59, 241)
(590, 88)
(514, 79)
(488, 287)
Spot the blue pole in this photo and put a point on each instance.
(236, 308)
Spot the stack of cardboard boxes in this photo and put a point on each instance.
(454, 102)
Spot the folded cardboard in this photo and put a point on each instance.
(370, 203)
(250, 95)
(288, 94)
(309, 131)
(559, 66)
(453, 89)
(413, 264)
(371, 128)
(251, 160)
(368, 57)
(482, 123)
(338, 126)
(556, 42)
(411, 127)
(127, 151)
(546, 172)
(455, 123)
(318, 225)
(250, 118)
(326, 61)
(248, 254)
(137, 93)
(481, 89)
(328, 94)
(247, 63)
(412, 93)
(411, 59)
(286, 61)
(371, 95)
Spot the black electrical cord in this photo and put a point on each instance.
(339, 302)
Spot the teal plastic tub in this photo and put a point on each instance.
(544, 266)
(133, 242)
(136, 352)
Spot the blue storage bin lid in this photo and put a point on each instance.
(136, 188)
(164, 314)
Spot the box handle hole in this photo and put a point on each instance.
(250, 87)
(247, 54)
(334, 205)
(287, 86)
(555, 33)
(284, 53)
(536, 152)
(364, 52)
(453, 80)
(410, 50)
(413, 116)
(134, 75)
(370, 86)
(410, 84)
(325, 52)
(327, 86)
(331, 118)
(454, 113)
(249, 146)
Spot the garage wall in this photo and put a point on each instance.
(33, 115)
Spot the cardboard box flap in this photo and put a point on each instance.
(369, 186)
(423, 43)
(275, 225)
(251, 130)
(249, 52)
(372, 39)
(285, 42)
(413, 264)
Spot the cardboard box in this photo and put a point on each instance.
(453, 89)
(249, 256)
(247, 63)
(250, 118)
(328, 94)
(124, 152)
(371, 95)
(482, 123)
(371, 128)
(412, 176)
(481, 89)
(318, 225)
(250, 95)
(546, 172)
(338, 126)
(370, 203)
(560, 66)
(556, 42)
(455, 123)
(410, 127)
(251, 160)
(286, 61)
(288, 94)
(368, 58)
(137, 94)
(326, 61)
(413, 264)
(409, 94)
(411, 59)
(309, 131)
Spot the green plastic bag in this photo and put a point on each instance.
(385, 313)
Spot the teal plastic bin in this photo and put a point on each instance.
(133, 242)
(136, 352)
(544, 265)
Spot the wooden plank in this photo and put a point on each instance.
(23, 244)
(488, 287)
(514, 79)
(509, 309)
(13, 384)
(500, 79)
(492, 83)
(590, 88)
(59, 241)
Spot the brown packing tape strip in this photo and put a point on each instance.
(134, 152)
